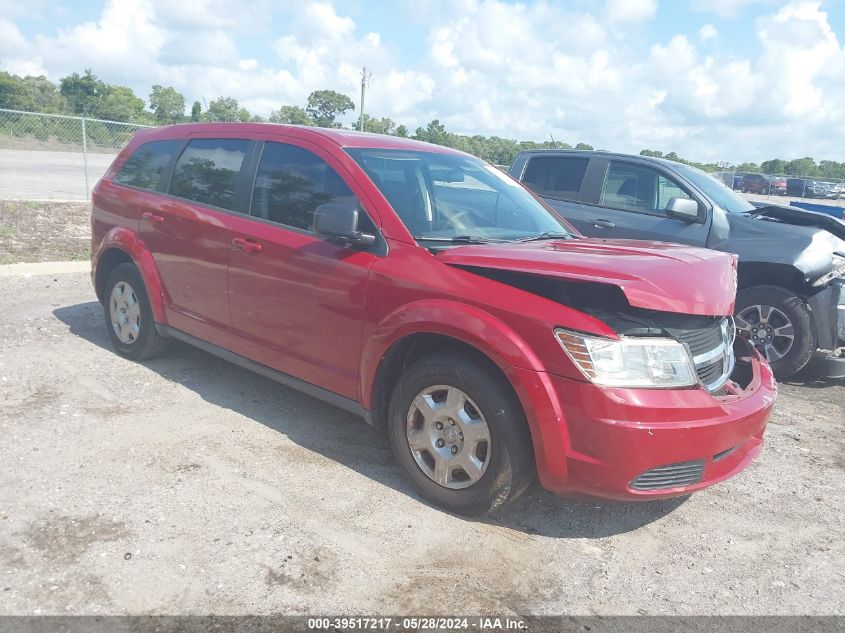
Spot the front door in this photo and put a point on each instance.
(296, 299)
(632, 205)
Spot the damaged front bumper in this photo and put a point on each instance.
(639, 444)
(828, 307)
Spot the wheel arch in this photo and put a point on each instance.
(750, 274)
(121, 246)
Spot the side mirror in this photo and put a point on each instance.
(339, 221)
(683, 209)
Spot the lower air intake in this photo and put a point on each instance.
(671, 476)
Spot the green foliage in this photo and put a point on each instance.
(196, 112)
(83, 92)
(119, 103)
(13, 93)
(167, 104)
(583, 146)
(325, 106)
(226, 109)
(383, 125)
(293, 115)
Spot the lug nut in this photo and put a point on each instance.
(452, 422)
(454, 450)
(439, 426)
(440, 443)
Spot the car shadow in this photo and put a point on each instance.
(811, 375)
(347, 439)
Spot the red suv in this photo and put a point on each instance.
(428, 292)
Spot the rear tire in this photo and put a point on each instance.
(468, 400)
(129, 317)
(779, 324)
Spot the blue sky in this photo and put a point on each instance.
(726, 80)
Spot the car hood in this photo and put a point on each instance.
(652, 275)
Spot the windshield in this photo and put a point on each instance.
(446, 196)
(716, 190)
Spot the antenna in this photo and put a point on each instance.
(365, 81)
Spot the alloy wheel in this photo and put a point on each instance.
(768, 329)
(448, 436)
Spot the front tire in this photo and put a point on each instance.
(459, 433)
(779, 324)
(129, 317)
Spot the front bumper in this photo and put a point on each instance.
(608, 438)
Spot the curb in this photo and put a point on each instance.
(44, 268)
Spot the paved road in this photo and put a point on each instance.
(26, 175)
(188, 485)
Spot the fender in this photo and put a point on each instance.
(495, 339)
(127, 241)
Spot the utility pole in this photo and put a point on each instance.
(365, 81)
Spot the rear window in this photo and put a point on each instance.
(556, 176)
(144, 167)
(207, 170)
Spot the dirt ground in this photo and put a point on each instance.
(44, 231)
(186, 485)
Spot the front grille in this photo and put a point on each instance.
(671, 476)
(711, 372)
(701, 340)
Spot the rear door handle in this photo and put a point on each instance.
(604, 224)
(152, 218)
(247, 246)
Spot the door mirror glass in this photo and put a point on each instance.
(683, 209)
(339, 221)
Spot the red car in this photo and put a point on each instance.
(428, 292)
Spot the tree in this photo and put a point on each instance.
(383, 125)
(325, 106)
(293, 115)
(401, 131)
(802, 167)
(226, 109)
(583, 146)
(167, 104)
(119, 103)
(196, 112)
(83, 92)
(434, 132)
(13, 93)
(774, 166)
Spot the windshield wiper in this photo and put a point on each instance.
(461, 239)
(546, 235)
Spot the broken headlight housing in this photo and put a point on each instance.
(629, 361)
(836, 270)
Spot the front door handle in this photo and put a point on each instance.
(604, 224)
(152, 218)
(247, 246)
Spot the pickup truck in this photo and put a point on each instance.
(790, 300)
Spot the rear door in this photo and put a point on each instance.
(297, 300)
(559, 180)
(628, 200)
(188, 233)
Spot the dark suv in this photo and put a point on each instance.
(791, 261)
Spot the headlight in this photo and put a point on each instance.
(630, 362)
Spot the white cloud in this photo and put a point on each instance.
(491, 67)
(630, 10)
(723, 8)
(707, 32)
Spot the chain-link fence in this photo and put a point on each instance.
(56, 157)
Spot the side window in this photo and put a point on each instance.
(207, 170)
(637, 188)
(144, 167)
(292, 182)
(556, 176)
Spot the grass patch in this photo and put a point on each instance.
(44, 231)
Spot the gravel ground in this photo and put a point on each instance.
(186, 485)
